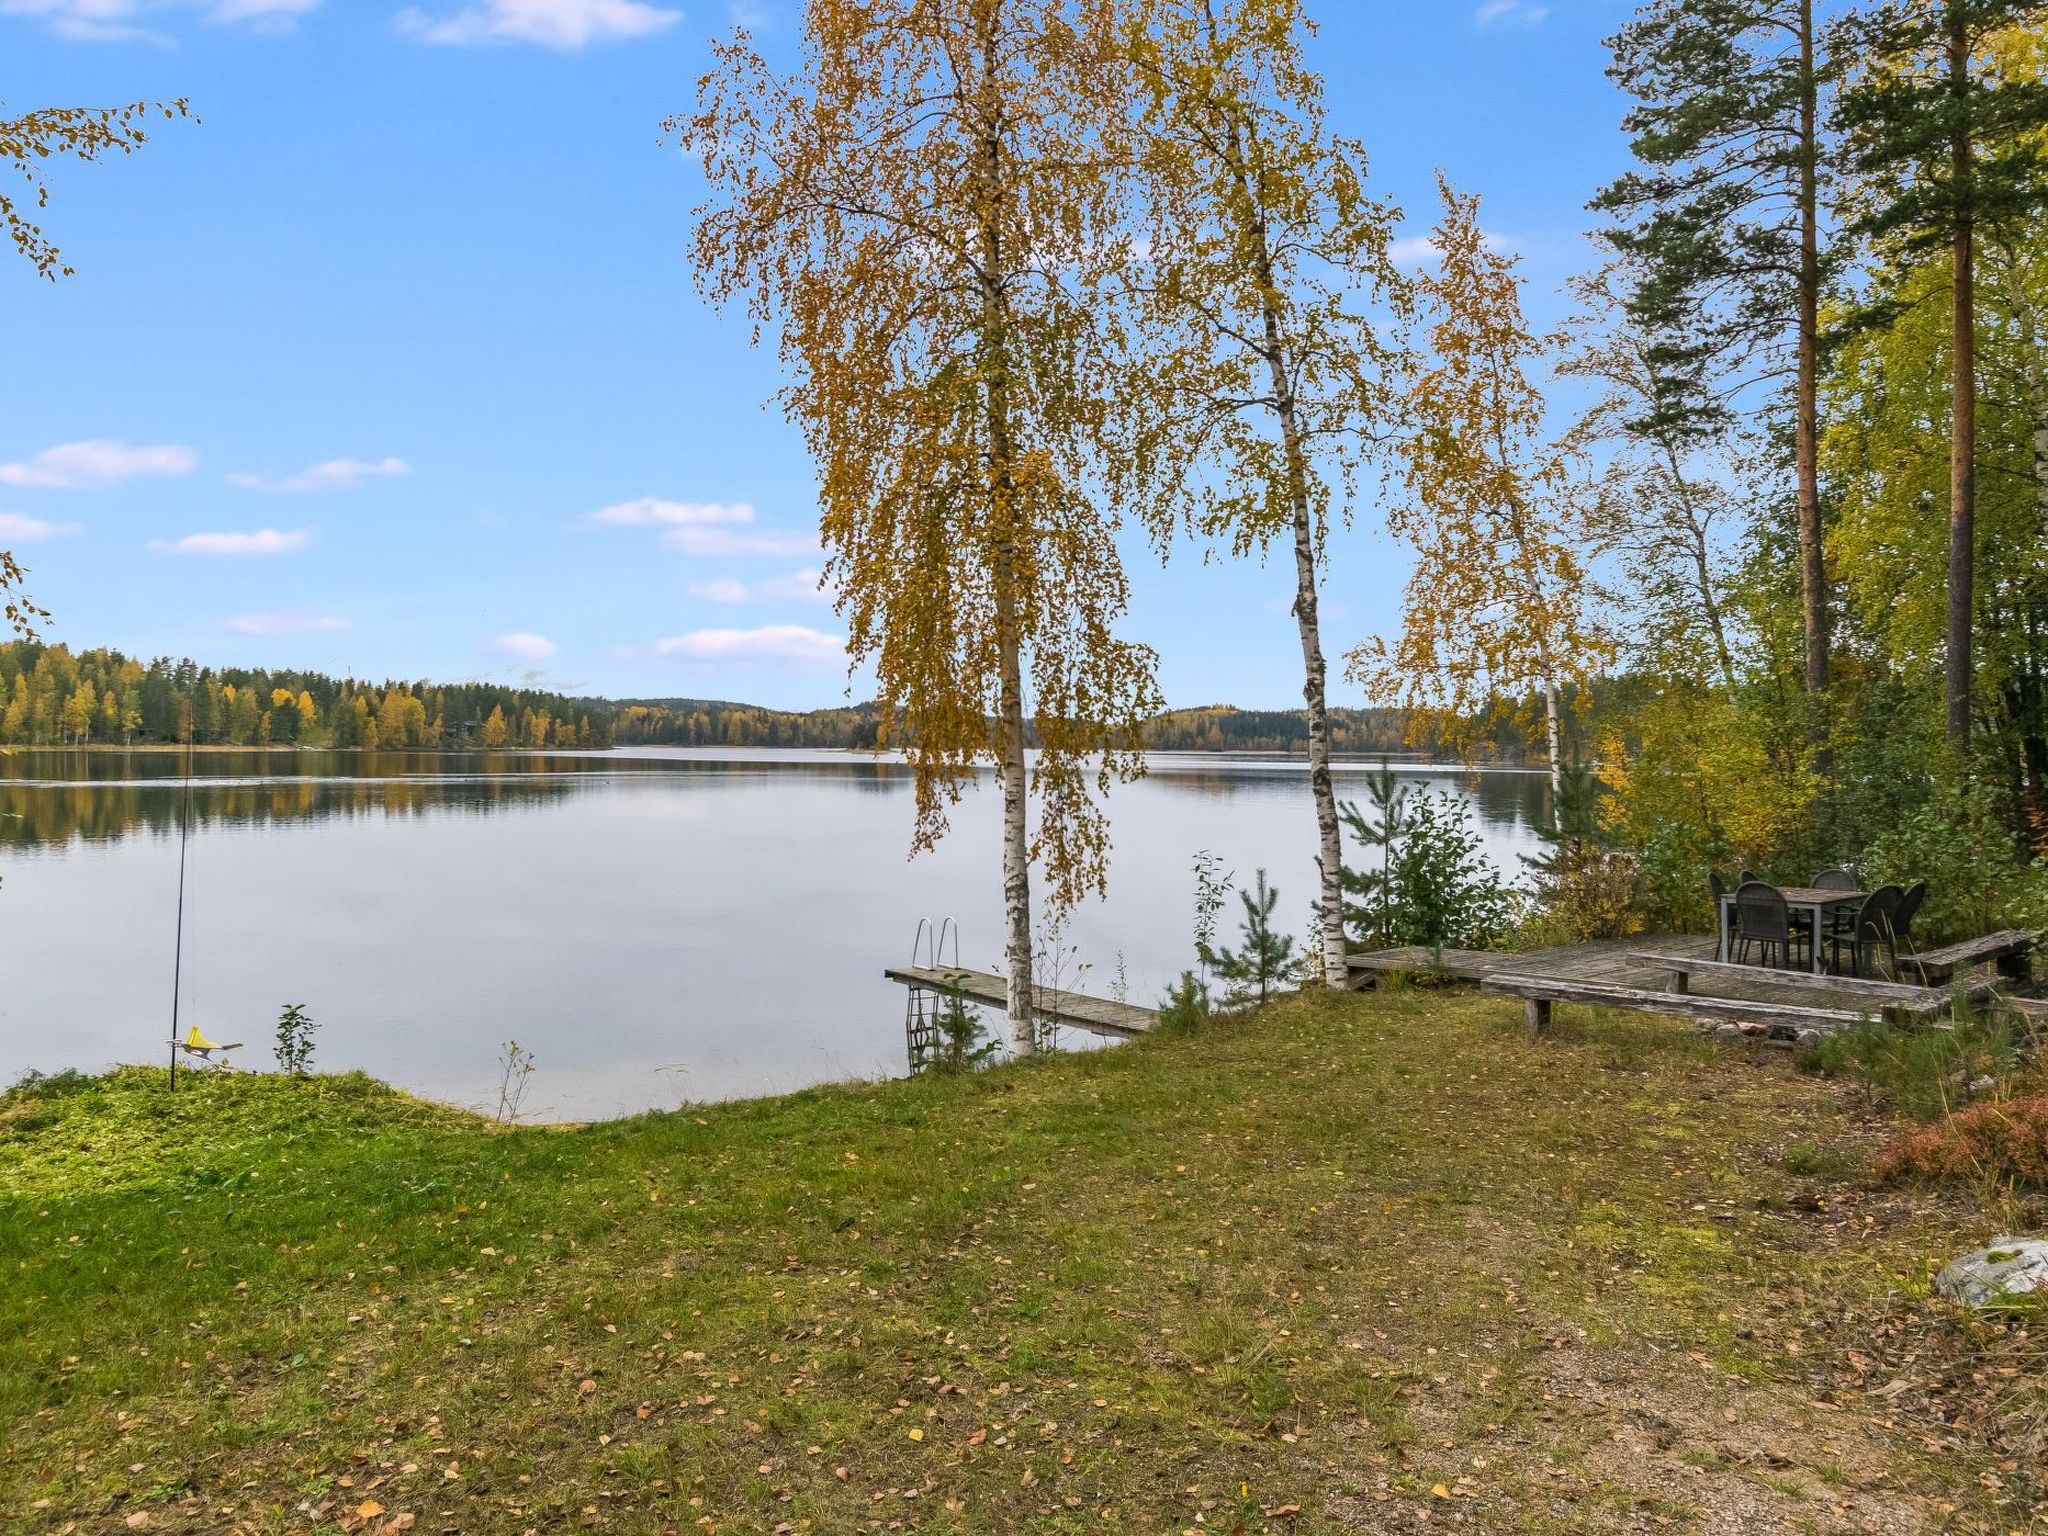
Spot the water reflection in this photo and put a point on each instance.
(654, 924)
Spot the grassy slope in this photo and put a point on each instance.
(1378, 1261)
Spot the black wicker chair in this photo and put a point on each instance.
(1875, 929)
(1902, 920)
(1763, 919)
(1840, 878)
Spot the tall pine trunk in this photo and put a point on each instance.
(1962, 472)
(1806, 430)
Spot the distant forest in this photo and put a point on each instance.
(53, 696)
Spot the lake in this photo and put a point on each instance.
(655, 925)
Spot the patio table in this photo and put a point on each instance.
(1815, 901)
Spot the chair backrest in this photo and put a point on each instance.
(1840, 878)
(1720, 886)
(1902, 920)
(1877, 918)
(1751, 877)
(1760, 911)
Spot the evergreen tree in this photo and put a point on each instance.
(1724, 225)
(1262, 960)
(1948, 150)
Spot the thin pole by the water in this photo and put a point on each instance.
(178, 945)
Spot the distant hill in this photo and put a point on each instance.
(51, 695)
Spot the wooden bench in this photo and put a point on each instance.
(1900, 1003)
(1539, 993)
(2011, 950)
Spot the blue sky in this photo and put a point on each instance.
(393, 364)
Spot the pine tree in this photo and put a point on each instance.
(1264, 954)
(1724, 225)
(1949, 153)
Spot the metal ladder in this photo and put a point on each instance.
(921, 1010)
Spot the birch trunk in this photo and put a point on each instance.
(1020, 1015)
(1315, 671)
(1553, 730)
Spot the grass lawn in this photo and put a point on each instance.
(1373, 1263)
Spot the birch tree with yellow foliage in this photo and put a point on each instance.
(27, 143)
(933, 212)
(1270, 371)
(1499, 603)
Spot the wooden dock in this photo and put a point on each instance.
(1098, 1015)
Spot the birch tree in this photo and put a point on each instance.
(930, 209)
(28, 142)
(1268, 254)
(1658, 502)
(1499, 603)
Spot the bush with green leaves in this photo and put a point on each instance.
(1186, 1005)
(1924, 1073)
(1585, 887)
(295, 1031)
(1434, 885)
(1962, 843)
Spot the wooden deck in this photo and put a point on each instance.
(1098, 1015)
(1632, 965)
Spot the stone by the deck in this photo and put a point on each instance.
(2010, 1267)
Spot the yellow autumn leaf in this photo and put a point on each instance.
(917, 1434)
(369, 1509)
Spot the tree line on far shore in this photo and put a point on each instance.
(53, 696)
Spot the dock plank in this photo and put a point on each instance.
(1098, 1015)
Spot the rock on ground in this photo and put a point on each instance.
(2011, 1266)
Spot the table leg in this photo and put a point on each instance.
(1819, 969)
(1721, 915)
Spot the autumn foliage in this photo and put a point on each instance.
(2005, 1143)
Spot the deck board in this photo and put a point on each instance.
(1099, 1015)
(1601, 962)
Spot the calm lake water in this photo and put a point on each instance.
(654, 925)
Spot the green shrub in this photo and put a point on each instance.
(1963, 843)
(1186, 1005)
(1921, 1072)
(1435, 886)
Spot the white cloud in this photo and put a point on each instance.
(264, 541)
(562, 24)
(20, 528)
(267, 624)
(525, 647)
(122, 21)
(723, 543)
(334, 474)
(792, 644)
(708, 528)
(1518, 13)
(803, 586)
(97, 462)
(652, 512)
(724, 589)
